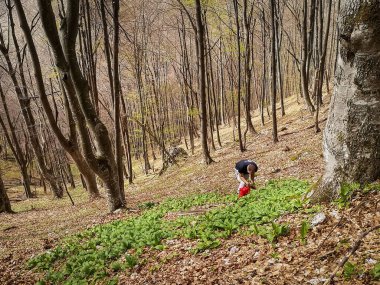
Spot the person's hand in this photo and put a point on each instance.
(252, 185)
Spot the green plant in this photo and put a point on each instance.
(313, 209)
(375, 186)
(116, 266)
(206, 244)
(92, 254)
(349, 270)
(277, 231)
(147, 205)
(305, 226)
(275, 255)
(345, 193)
(131, 260)
(375, 272)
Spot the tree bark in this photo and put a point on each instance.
(202, 81)
(5, 205)
(236, 9)
(103, 162)
(264, 69)
(305, 60)
(29, 119)
(247, 18)
(70, 145)
(274, 73)
(116, 98)
(351, 141)
(14, 145)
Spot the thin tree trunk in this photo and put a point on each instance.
(274, 80)
(248, 66)
(202, 80)
(116, 99)
(264, 71)
(236, 8)
(15, 147)
(29, 119)
(304, 61)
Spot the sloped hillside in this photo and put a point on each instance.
(188, 227)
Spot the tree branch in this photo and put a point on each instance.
(351, 252)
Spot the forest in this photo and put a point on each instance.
(122, 124)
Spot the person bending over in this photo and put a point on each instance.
(245, 173)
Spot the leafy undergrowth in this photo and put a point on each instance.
(101, 251)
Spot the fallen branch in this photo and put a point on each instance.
(341, 221)
(352, 251)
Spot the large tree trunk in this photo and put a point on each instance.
(352, 136)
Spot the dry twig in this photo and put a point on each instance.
(352, 251)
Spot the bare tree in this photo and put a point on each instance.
(116, 98)
(70, 145)
(25, 105)
(247, 18)
(15, 145)
(274, 73)
(236, 9)
(202, 80)
(103, 161)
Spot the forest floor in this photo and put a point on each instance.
(39, 224)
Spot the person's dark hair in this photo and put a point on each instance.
(252, 167)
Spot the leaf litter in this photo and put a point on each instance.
(240, 259)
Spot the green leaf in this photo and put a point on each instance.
(305, 226)
(349, 270)
(375, 272)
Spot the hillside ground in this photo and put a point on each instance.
(40, 223)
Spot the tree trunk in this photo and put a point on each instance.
(69, 145)
(274, 79)
(5, 205)
(116, 99)
(247, 18)
(264, 69)
(103, 162)
(304, 62)
(14, 145)
(106, 43)
(202, 81)
(28, 116)
(236, 8)
(351, 140)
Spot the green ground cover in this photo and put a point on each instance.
(99, 252)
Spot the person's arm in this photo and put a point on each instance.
(243, 178)
(252, 177)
